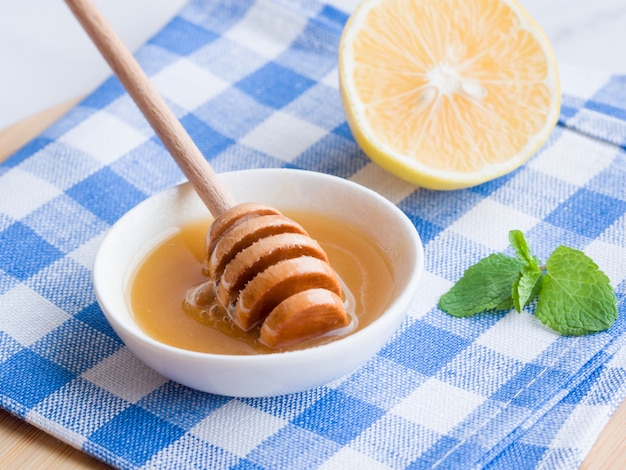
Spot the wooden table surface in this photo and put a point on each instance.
(23, 446)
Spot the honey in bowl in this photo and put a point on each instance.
(164, 278)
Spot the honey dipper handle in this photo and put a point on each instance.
(165, 124)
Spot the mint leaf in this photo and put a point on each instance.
(484, 286)
(576, 297)
(522, 250)
(526, 287)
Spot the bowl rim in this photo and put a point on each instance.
(405, 296)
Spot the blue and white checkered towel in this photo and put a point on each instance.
(255, 84)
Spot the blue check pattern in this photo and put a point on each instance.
(254, 83)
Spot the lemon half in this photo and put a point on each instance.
(447, 94)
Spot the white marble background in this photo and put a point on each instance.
(46, 59)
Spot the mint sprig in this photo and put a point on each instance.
(575, 296)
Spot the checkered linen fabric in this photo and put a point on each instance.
(255, 84)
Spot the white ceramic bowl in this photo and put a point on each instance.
(138, 231)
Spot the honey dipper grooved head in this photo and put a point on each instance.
(265, 266)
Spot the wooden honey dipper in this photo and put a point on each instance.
(265, 268)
